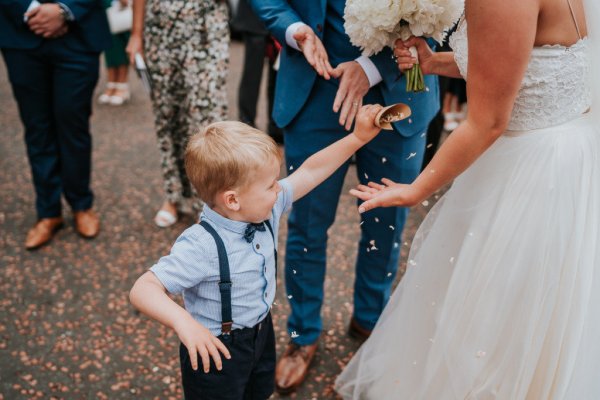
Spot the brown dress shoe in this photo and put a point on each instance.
(42, 232)
(358, 332)
(292, 367)
(87, 223)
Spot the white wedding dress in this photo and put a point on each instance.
(501, 298)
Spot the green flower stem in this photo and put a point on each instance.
(415, 82)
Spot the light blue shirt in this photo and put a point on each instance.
(192, 268)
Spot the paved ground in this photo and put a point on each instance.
(67, 330)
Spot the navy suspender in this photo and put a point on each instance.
(225, 278)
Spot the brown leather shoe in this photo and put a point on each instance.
(42, 232)
(87, 223)
(292, 367)
(358, 332)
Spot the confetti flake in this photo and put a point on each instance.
(290, 297)
(423, 134)
(427, 88)
(366, 176)
(383, 160)
(410, 120)
(411, 156)
(451, 260)
(155, 369)
(480, 354)
(392, 227)
(368, 250)
(406, 243)
(294, 271)
(376, 219)
(396, 245)
(389, 274)
(291, 167)
(305, 250)
(412, 262)
(430, 145)
(294, 335)
(425, 203)
(361, 222)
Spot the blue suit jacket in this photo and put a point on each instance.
(89, 31)
(296, 77)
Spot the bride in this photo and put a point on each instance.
(501, 299)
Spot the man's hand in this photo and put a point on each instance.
(365, 128)
(354, 85)
(197, 339)
(313, 50)
(46, 20)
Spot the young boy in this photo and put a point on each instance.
(226, 265)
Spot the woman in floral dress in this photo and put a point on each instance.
(186, 48)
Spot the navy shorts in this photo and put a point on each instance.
(249, 374)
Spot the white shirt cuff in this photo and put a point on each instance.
(32, 5)
(289, 34)
(370, 70)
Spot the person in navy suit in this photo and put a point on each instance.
(314, 104)
(51, 50)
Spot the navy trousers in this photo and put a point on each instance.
(389, 155)
(53, 86)
(248, 375)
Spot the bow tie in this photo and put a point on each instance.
(251, 229)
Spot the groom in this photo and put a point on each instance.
(315, 104)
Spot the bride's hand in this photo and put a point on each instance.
(404, 58)
(390, 194)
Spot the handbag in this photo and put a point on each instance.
(120, 19)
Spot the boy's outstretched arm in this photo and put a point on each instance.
(322, 164)
(150, 297)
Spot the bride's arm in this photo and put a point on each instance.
(431, 63)
(497, 63)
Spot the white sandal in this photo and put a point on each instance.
(119, 100)
(105, 98)
(164, 219)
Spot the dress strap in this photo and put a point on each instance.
(574, 19)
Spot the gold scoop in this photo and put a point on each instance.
(394, 113)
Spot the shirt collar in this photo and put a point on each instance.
(222, 222)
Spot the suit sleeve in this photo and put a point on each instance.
(14, 9)
(80, 8)
(277, 15)
(387, 67)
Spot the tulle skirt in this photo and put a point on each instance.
(501, 298)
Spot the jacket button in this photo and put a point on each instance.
(319, 27)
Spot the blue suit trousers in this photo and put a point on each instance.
(53, 86)
(389, 155)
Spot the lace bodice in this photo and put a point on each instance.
(555, 86)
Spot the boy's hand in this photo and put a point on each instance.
(365, 128)
(197, 339)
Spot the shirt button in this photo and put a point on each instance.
(265, 295)
(257, 246)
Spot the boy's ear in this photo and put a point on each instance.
(230, 200)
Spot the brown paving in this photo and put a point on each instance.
(67, 330)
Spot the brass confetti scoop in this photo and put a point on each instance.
(394, 113)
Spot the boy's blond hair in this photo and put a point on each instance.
(224, 156)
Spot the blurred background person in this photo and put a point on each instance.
(186, 48)
(258, 44)
(52, 51)
(116, 92)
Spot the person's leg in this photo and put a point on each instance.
(30, 76)
(204, 81)
(254, 56)
(261, 383)
(75, 77)
(311, 216)
(398, 158)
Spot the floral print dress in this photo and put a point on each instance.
(187, 54)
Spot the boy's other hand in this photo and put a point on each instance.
(198, 340)
(365, 128)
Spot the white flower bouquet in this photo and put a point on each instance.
(374, 24)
